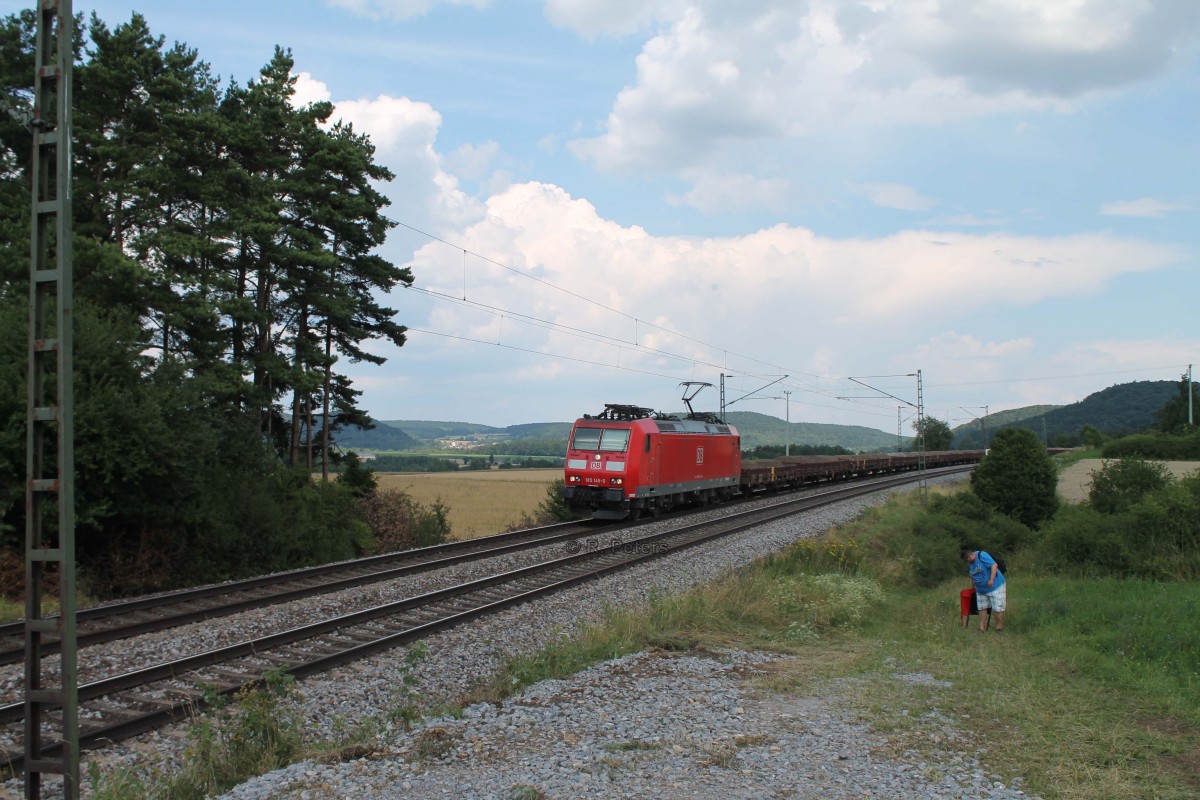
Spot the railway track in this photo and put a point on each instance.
(121, 706)
(114, 621)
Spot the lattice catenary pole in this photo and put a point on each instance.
(50, 456)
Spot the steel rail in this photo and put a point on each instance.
(236, 596)
(566, 571)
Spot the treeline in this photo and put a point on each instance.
(1159, 446)
(530, 447)
(225, 261)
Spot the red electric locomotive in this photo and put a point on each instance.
(629, 460)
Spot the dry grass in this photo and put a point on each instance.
(482, 502)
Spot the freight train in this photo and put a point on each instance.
(628, 461)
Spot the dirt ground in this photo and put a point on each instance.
(1076, 480)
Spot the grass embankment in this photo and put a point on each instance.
(1092, 691)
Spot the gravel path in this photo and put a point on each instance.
(651, 725)
(639, 727)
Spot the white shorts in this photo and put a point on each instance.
(995, 601)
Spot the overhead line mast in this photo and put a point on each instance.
(50, 413)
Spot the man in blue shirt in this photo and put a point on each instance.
(988, 580)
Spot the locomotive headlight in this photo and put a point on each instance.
(572, 479)
(616, 481)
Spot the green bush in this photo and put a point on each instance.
(1120, 483)
(553, 508)
(964, 520)
(357, 477)
(1017, 478)
(1081, 539)
(928, 555)
(1179, 447)
(1157, 536)
(433, 524)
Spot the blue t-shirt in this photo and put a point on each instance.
(981, 570)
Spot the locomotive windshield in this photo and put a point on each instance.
(607, 439)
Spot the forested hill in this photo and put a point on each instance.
(1116, 411)
(382, 437)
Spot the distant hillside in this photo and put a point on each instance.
(1116, 411)
(969, 436)
(383, 437)
(428, 430)
(759, 429)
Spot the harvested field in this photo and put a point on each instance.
(1076, 480)
(482, 502)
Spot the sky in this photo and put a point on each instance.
(807, 202)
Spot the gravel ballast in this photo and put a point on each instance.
(650, 725)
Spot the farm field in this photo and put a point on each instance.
(1075, 481)
(482, 502)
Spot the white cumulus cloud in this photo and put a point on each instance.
(715, 73)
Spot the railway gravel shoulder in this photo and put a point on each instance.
(657, 726)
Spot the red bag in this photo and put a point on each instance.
(967, 602)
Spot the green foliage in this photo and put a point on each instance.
(937, 434)
(360, 480)
(226, 257)
(1119, 410)
(1017, 478)
(977, 525)
(815, 556)
(433, 523)
(927, 554)
(1166, 447)
(1092, 437)
(531, 447)
(396, 463)
(553, 507)
(1121, 483)
(1153, 533)
(262, 731)
(405, 697)
(1173, 416)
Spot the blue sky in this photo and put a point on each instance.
(1002, 194)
